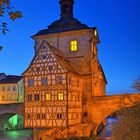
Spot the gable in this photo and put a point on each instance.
(45, 62)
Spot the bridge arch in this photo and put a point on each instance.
(7, 111)
(106, 105)
(114, 115)
(10, 121)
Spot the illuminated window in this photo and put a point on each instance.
(48, 96)
(95, 32)
(31, 82)
(74, 45)
(60, 96)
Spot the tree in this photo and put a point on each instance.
(7, 8)
(136, 84)
(0, 48)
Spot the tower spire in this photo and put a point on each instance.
(66, 7)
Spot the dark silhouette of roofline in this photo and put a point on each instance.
(10, 79)
(66, 22)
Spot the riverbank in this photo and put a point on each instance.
(128, 125)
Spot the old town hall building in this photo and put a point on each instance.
(64, 73)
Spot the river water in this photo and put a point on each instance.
(16, 134)
(106, 133)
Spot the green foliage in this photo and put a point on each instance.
(7, 8)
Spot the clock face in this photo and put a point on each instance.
(95, 32)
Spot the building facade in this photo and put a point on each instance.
(11, 89)
(64, 73)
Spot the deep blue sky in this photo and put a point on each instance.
(118, 23)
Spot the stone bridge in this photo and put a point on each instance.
(16, 108)
(9, 110)
(100, 107)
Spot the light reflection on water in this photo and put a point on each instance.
(106, 133)
(15, 134)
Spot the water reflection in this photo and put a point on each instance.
(106, 133)
(13, 134)
(16, 134)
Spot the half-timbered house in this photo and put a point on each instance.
(64, 73)
(53, 89)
